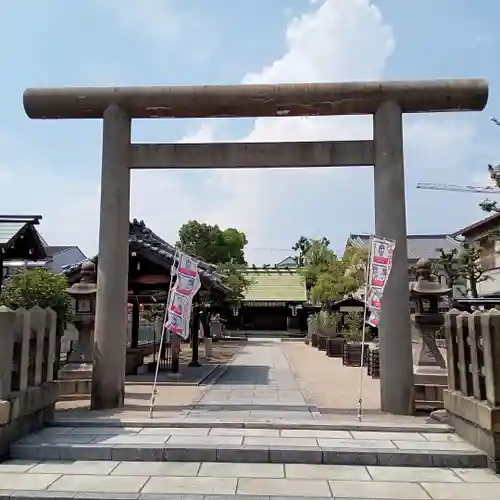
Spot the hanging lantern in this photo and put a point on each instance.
(294, 310)
(236, 311)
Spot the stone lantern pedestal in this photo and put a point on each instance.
(75, 378)
(429, 369)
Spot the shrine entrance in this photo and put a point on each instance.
(385, 101)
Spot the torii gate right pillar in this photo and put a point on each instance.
(396, 356)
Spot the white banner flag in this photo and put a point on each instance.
(180, 304)
(381, 253)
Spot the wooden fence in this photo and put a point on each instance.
(28, 360)
(473, 349)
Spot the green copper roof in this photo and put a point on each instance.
(275, 285)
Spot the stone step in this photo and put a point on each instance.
(201, 481)
(352, 424)
(198, 444)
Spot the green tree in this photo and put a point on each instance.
(38, 287)
(494, 171)
(211, 243)
(463, 263)
(234, 278)
(303, 245)
(330, 278)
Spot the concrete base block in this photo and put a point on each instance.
(250, 454)
(477, 422)
(4, 412)
(74, 389)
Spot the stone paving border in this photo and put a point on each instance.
(215, 481)
(159, 422)
(198, 444)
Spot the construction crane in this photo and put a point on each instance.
(457, 187)
(494, 171)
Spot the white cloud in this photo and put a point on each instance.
(336, 40)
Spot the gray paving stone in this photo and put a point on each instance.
(388, 436)
(221, 431)
(97, 468)
(175, 431)
(104, 484)
(463, 491)
(78, 452)
(281, 442)
(16, 481)
(337, 472)
(191, 485)
(131, 439)
(176, 453)
(17, 465)
(438, 445)
(400, 458)
(145, 453)
(243, 453)
(315, 433)
(106, 430)
(413, 474)
(41, 438)
(379, 490)
(159, 496)
(36, 495)
(458, 459)
(284, 487)
(204, 440)
(442, 437)
(157, 469)
(99, 495)
(357, 444)
(349, 457)
(262, 470)
(302, 455)
(477, 475)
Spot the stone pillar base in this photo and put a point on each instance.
(477, 422)
(75, 381)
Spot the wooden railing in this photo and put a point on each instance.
(473, 349)
(28, 345)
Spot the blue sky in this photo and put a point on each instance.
(53, 168)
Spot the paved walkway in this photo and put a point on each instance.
(154, 480)
(268, 380)
(259, 383)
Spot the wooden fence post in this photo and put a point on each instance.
(491, 345)
(51, 327)
(7, 337)
(450, 325)
(37, 325)
(23, 333)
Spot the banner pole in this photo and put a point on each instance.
(363, 335)
(173, 269)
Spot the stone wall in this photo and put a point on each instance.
(28, 347)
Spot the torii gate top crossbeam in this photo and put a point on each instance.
(215, 101)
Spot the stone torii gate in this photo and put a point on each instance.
(386, 101)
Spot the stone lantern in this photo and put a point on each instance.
(427, 291)
(79, 367)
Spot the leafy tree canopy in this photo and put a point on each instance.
(303, 245)
(462, 263)
(494, 171)
(211, 243)
(224, 248)
(38, 287)
(330, 277)
(234, 278)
